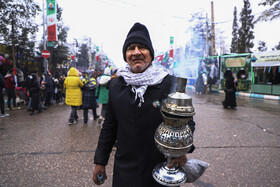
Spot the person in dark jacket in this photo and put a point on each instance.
(34, 91)
(57, 93)
(230, 89)
(201, 81)
(89, 99)
(132, 116)
(48, 91)
(2, 85)
(27, 85)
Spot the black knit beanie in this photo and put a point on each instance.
(138, 34)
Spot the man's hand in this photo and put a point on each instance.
(97, 170)
(180, 161)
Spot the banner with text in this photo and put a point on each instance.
(266, 58)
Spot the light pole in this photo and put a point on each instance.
(44, 38)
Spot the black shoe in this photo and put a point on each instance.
(96, 117)
(72, 122)
(225, 107)
(32, 113)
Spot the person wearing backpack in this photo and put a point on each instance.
(89, 99)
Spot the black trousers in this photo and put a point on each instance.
(86, 114)
(73, 114)
(103, 109)
(11, 93)
(2, 101)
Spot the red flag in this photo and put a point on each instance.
(159, 57)
(52, 33)
(171, 53)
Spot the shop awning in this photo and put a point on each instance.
(265, 59)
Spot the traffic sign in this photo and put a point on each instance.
(45, 54)
(50, 44)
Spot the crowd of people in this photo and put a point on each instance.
(39, 92)
(84, 91)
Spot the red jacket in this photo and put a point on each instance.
(9, 81)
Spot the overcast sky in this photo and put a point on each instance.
(107, 22)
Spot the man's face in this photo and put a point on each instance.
(138, 58)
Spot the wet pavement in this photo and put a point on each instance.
(242, 146)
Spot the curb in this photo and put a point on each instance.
(250, 95)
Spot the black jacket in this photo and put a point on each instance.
(133, 129)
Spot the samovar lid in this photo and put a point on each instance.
(179, 103)
(179, 95)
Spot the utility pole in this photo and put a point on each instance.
(213, 29)
(44, 38)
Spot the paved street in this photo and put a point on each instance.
(242, 146)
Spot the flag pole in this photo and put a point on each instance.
(44, 38)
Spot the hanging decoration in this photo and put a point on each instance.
(51, 20)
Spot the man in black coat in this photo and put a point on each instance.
(2, 85)
(133, 114)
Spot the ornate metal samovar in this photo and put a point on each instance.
(173, 137)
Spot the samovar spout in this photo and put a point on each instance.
(181, 84)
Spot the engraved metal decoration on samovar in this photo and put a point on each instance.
(173, 137)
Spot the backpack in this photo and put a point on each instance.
(89, 85)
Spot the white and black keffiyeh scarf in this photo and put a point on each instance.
(140, 81)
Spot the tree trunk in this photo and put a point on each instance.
(13, 46)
